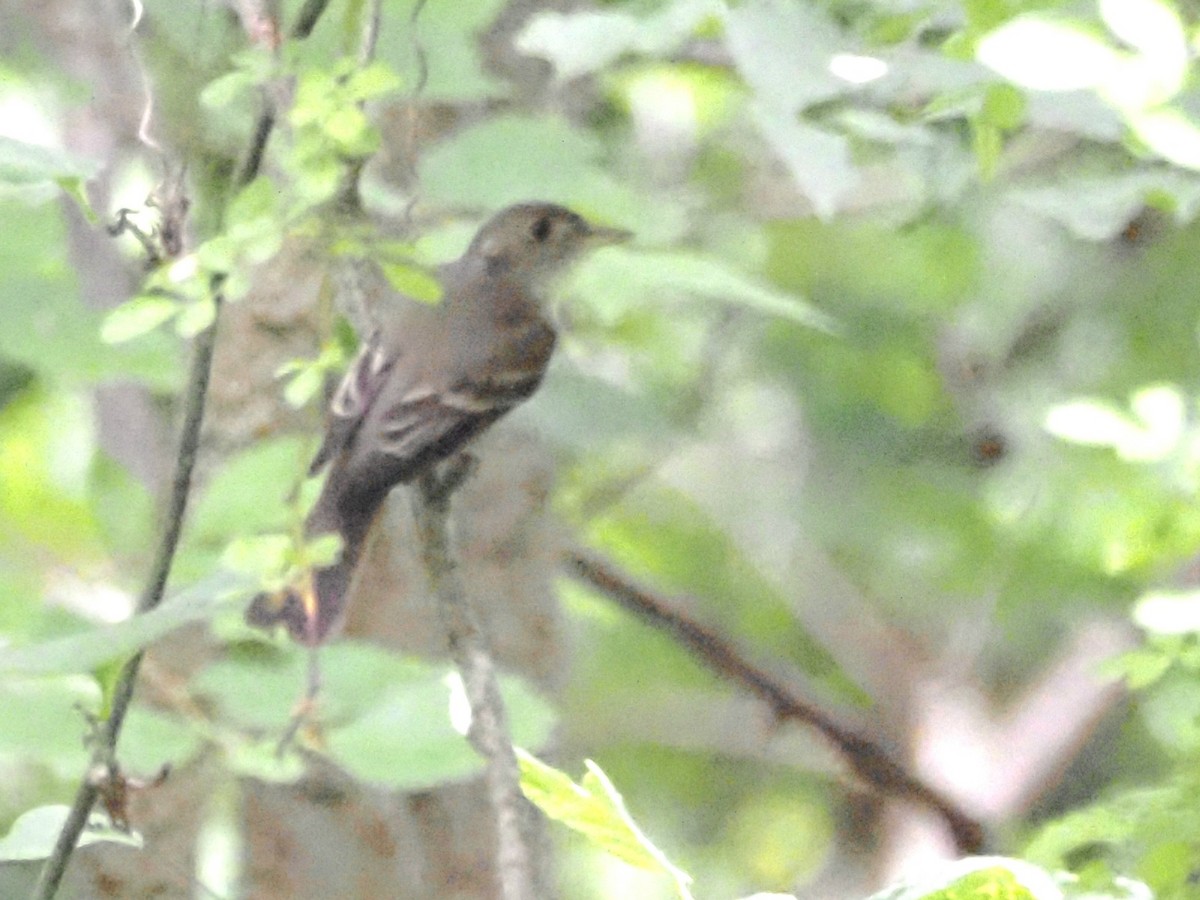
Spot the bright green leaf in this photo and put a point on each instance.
(595, 809)
(324, 550)
(977, 878)
(413, 282)
(259, 555)
(136, 317)
(195, 317)
(375, 80)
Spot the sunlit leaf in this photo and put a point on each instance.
(413, 282)
(595, 809)
(374, 80)
(91, 648)
(135, 317)
(34, 833)
(581, 42)
(195, 317)
(25, 164)
(1047, 55)
(1171, 134)
(977, 878)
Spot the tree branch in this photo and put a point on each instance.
(104, 749)
(307, 18)
(489, 731)
(870, 761)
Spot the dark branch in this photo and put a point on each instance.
(103, 754)
(307, 18)
(104, 751)
(870, 761)
(489, 732)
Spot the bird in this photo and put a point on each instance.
(427, 380)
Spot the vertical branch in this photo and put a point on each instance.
(489, 731)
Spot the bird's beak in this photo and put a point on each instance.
(602, 235)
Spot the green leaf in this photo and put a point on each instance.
(152, 739)
(88, 650)
(324, 550)
(509, 159)
(28, 164)
(35, 832)
(595, 809)
(788, 77)
(260, 759)
(1155, 30)
(1004, 106)
(405, 737)
(618, 279)
(413, 282)
(228, 89)
(1045, 55)
(47, 326)
(386, 718)
(74, 187)
(977, 878)
(256, 201)
(376, 80)
(136, 317)
(1171, 134)
(303, 386)
(249, 493)
(195, 317)
(258, 556)
(42, 717)
(579, 43)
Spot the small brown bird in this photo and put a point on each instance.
(431, 378)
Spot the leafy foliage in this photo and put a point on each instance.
(898, 386)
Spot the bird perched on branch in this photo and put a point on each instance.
(429, 379)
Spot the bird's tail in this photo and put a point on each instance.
(314, 609)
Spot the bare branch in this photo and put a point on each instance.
(489, 731)
(307, 18)
(104, 751)
(867, 758)
(103, 754)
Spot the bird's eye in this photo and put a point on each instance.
(541, 229)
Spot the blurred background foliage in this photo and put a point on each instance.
(898, 385)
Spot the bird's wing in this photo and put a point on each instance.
(360, 386)
(427, 422)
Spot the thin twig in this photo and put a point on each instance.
(489, 732)
(370, 37)
(411, 148)
(104, 749)
(348, 199)
(106, 741)
(870, 761)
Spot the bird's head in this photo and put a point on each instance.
(538, 240)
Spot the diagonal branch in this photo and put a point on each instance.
(103, 754)
(489, 731)
(870, 761)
